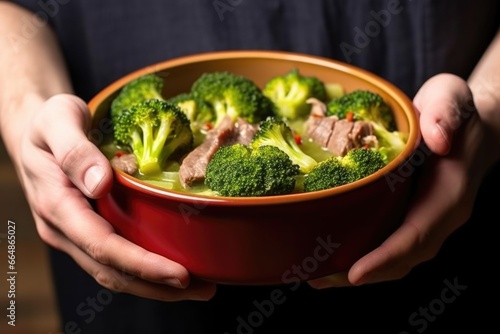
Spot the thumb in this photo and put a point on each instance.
(61, 129)
(444, 102)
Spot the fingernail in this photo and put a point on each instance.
(199, 298)
(332, 281)
(174, 282)
(444, 135)
(320, 284)
(93, 177)
(203, 296)
(364, 279)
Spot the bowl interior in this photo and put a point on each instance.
(260, 66)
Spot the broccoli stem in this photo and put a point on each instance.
(153, 154)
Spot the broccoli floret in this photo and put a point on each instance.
(368, 106)
(364, 105)
(239, 171)
(290, 93)
(144, 88)
(336, 171)
(274, 131)
(153, 130)
(327, 174)
(363, 161)
(197, 111)
(232, 95)
(333, 91)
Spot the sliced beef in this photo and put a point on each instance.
(320, 129)
(338, 136)
(361, 133)
(370, 141)
(244, 131)
(318, 107)
(126, 163)
(193, 167)
(340, 141)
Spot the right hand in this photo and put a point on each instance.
(60, 169)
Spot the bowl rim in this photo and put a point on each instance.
(412, 117)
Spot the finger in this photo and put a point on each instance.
(120, 281)
(60, 128)
(69, 212)
(444, 102)
(169, 288)
(96, 237)
(75, 228)
(390, 261)
(333, 281)
(426, 226)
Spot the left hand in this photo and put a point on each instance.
(452, 130)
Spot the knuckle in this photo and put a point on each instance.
(73, 156)
(47, 207)
(402, 270)
(106, 278)
(428, 253)
(44, 207)
(96, 250)
(48, 234)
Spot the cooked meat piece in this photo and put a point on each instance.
(126, 163)
(244, 131)
(194, 165)
(312, 123)
(320, 129)
(360, 131)
(340, 141)
(370, 141)
(318, 107)
(337, 136)
(192, 169)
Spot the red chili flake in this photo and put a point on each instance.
(208, 126)
(118, 154)
(349, 116)
(298, 139)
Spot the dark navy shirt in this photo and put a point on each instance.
(404, 41)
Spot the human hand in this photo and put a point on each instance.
(449, 183)
(60, 169)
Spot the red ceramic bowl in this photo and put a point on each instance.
(261, 240)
